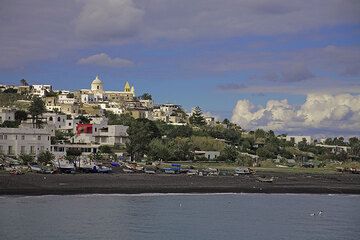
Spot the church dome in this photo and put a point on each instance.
(97, 80)
(97, 85)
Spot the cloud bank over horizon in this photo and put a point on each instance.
(320, 114)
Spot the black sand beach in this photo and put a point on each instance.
(39, 184)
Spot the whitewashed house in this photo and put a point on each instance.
(40, 90)
(7, 114)
(16, 141)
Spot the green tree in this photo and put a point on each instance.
(267, 151)
(197, 117)
(83, 119)
(353, 141)
(303, 145)
(229, 154)
(328, 141)
(21, 115)
(45, 157)
(207, 143)
(36, 109)
(226, 121)
(50, 94)
(10, 124)
(26, 158)
(181, 149)
(260, 133)
(141, 132)
(105, 149)
(180, 131)
(70, 95)
(146, 96)
(233, 136)
(158, 150)
(245, 145)
(72, 154)
(355, 149)
(119, 119)
(23, 82)
(10, 90)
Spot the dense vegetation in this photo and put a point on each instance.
(159, 141)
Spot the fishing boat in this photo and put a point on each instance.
(126, 170)
(149, 171)
(264, 179)
(36, 168)
(169, 170)
(102, 169)
(243, 170)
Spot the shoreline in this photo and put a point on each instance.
(68, 184)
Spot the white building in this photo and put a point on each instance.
(40, 90)
(209, 120)
(112, 107)
(61, 121)
(7, 114)
(88, 98)
(16, 141)
(59, 150)
(64, 98)
(335, 148)
(146, 103)
(53, 108)
(56, 119)
(112, 135)
(103, 135)
(209, 155)
(169, 108)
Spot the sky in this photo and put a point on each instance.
(289, 66)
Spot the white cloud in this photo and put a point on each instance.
(44, 29)
(102, 59)
(202, 18)
(320, 114)
(109, 20)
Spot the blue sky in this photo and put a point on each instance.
(207, 53)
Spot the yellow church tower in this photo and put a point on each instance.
(127, 87)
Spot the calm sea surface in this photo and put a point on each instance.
(210, 216)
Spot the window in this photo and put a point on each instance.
(42, 148)
(58, 119)
(32, 150)
(1, 149)
(5, 137)
(22, 150)
(50, 118)
(23, 137)
(39, 138)
(1, 137)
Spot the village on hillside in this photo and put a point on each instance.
(99, 130)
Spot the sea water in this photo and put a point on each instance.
(181, 216)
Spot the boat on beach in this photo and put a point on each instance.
(265, 179)
(243, 171)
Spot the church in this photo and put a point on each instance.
(98, 94)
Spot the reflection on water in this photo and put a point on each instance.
(181, 216)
